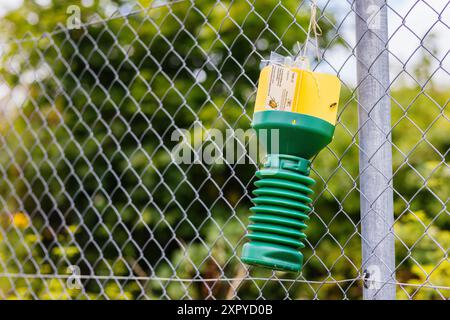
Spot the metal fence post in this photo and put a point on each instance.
(375, 160)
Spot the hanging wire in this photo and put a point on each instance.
(315, 28)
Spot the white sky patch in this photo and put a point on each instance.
(410, 26)
(8, 5)
(411, 39)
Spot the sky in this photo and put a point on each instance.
(409, 23)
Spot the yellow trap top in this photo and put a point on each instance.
(297, 90)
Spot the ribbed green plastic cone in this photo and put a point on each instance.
(282, 196)
(279, 214)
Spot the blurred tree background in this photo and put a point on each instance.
(88, 178)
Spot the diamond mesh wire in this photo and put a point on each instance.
(94, 207)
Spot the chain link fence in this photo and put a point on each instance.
(92, 205)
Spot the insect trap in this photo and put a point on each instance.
(296, 109)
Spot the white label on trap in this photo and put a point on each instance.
(281, 88)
